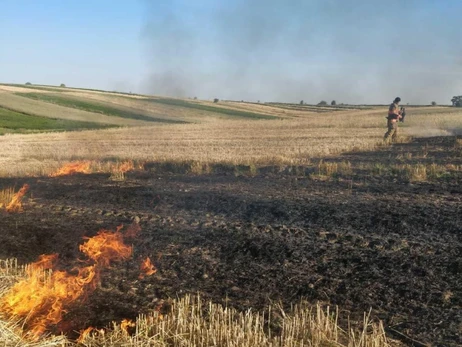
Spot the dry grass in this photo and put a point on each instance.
(279, 142)
(427, 172)
(235, 142)
(334, 168)
(6, 195)
(295, 140)
(191, 322)
(187, 325)
(15, 89)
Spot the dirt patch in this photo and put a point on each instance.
(385, 245)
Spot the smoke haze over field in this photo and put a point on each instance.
(275, 50)
(353, 51)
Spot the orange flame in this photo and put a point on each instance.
(105, 247)
(125, 324)
(15, 204)
(44, 262)
(42, 298)
(84, 334)
(126, 166)
(147, 269)
(72, 168)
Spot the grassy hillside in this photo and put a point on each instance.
(124, 109)
(92, 106)
(11, 101)
(14, 122)
(226, 111)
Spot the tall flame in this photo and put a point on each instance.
(42, 298)
(71, 168)
(15, 204)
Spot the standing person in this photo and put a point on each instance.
(394, 114)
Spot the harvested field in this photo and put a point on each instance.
(362, 241)
(262, 142)
(246, 213)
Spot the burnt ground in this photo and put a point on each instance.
(363, 242)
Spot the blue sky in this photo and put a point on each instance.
(273, 50)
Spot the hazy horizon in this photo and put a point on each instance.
(355, 52)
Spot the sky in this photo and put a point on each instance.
(363, 51)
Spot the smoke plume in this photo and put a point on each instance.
(278, 50)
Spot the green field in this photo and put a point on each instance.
(225, 111)
(95, 107)
(14, 122)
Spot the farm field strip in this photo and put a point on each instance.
(229, 112)
(11, 121)
(94, 107)
(44, 109)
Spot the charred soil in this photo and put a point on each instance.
(365, 243)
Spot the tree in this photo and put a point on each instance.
(28, 84)
(63, 85)
(301, 102)
(333, 103)
(433, 103)
(322, 103)
(457, 101)
(215, 100)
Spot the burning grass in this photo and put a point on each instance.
(36, 299)
(11, 201)
(73, 168)
(192, 322)
(40, 300)
(117, 169)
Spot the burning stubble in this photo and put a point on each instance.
(12, 202)
(42, 298)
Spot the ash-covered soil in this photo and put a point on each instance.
(365, 243)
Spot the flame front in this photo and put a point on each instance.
(147, 269)
(126, 166)
(72, 168)
(42, 298)
(105, 247)
(15, 204)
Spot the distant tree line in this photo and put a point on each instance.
(321, 103)
(457, 101)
